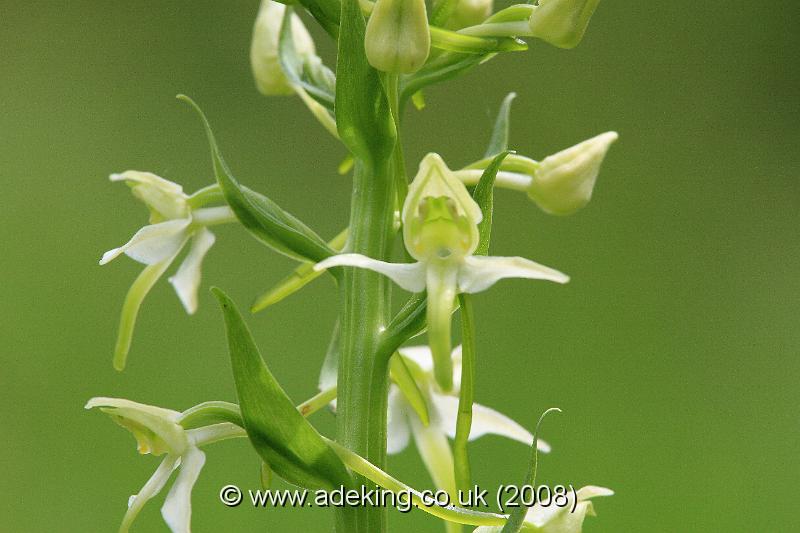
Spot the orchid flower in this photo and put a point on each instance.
(266, 64)
(440, 230)
(158, 432)
(173, 223)
(556, 518)
(431, 439)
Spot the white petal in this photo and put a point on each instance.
(435, 452)
(592, 491)
(150, 489)
(484, 421)
(153, 243)
(186, 280)
(479, 273)
(397, 431)
(177, 508)
(410, 276)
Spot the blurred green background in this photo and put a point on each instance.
(673, 352)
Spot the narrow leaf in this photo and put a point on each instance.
(326, 12)
(499, 140)
(296, 280)
(466, 396)
(362, 109)
(517, 517)
(404, 379)
(278, 432)
(265, 219)
(448, 65)
(484, 196)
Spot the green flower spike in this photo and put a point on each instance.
(562, 23)
(397, 38)
(264, 57)
(173, 223)
(158, 432)
(440, 231)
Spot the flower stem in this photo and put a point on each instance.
(466, 395)
(363, 384)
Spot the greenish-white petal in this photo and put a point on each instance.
(485, 420)
(478, 273)
(264, 60)
(397, 431)
(409, 276)
(177, 508)
(156, 429)
(165, 198)
(153, 243)
(555, 519)
(150, 490)
(442, 283)
(130, 308)
(186, 280)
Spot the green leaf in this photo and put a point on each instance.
(309, 73)
(296, 280)
(363, 116)
(279, 433)
(446, 66)
(329, 373)
(516, 519)
(402, 376)
(466, 396)
(499, 140)
(265, 219)
(484, 196)
(326, 12)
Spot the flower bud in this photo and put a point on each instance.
(264, 58)
(563, 182)
(562, 23)
(470, 13)
(397, 37)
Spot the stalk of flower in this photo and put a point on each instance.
(175, 220)
(158, 432)
(440, 230)
(560, 184)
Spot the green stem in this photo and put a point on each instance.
(363, 382)
(466, 396)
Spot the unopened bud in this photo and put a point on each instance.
(563, 182)
(470, 13)
(397, 37)
(562, 23)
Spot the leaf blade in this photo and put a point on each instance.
(280, 434)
